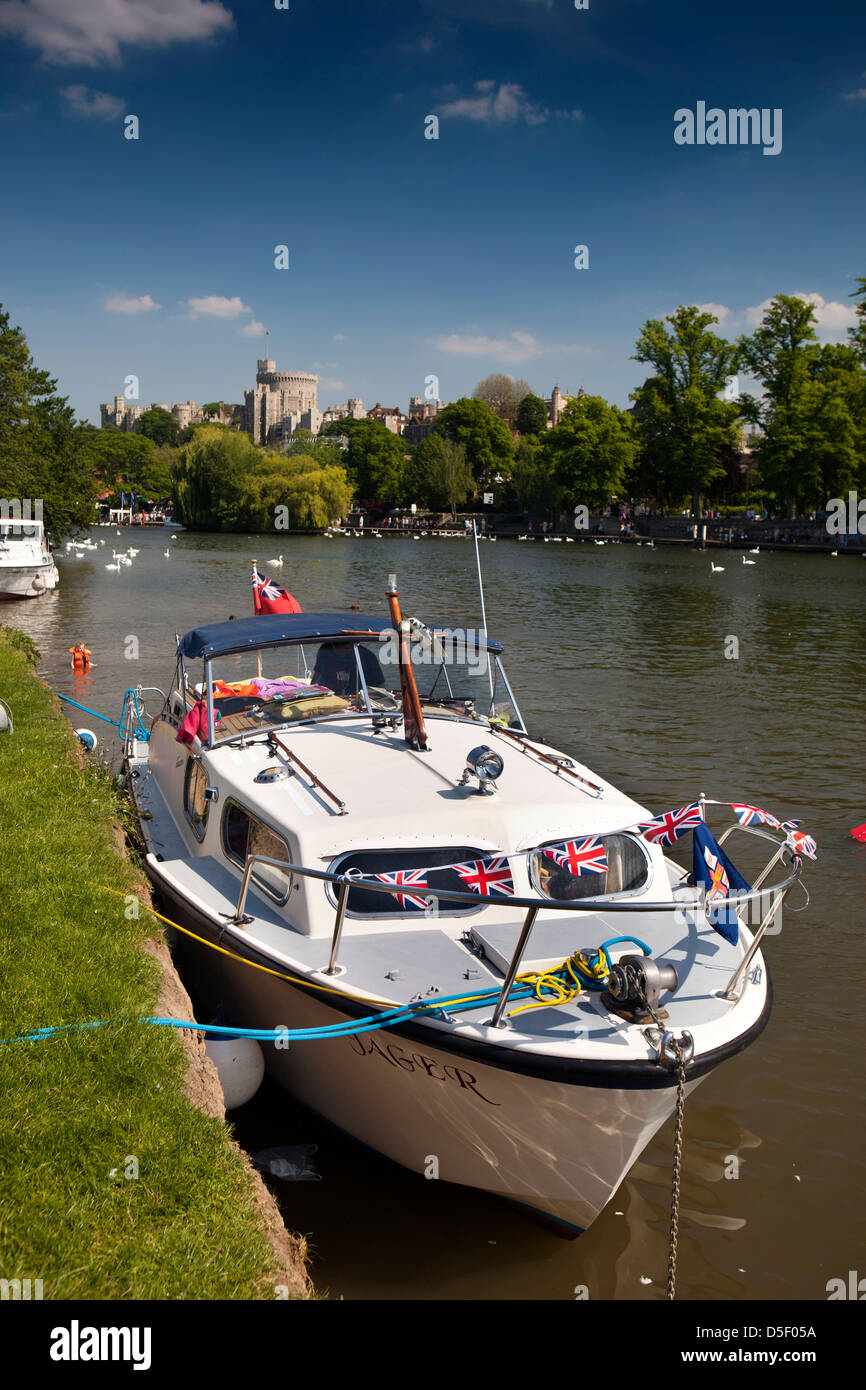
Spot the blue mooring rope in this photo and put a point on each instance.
(140, 732)
(370, 1023)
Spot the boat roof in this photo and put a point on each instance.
(270, 629)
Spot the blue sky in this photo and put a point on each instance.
(412, 257)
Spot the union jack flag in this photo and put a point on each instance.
(751, 815)
(586, 856)
(790, 824)
(667, 829)
(801, 843)
(487, 876)
(406, 878)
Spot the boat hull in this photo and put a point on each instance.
(27, 581)
(559, 1144)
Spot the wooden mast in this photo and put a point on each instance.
(413, 719)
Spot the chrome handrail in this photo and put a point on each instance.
(533, 906)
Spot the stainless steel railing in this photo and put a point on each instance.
(532, 905)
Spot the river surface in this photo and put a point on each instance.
(620, 659)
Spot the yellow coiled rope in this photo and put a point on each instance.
(564, 983)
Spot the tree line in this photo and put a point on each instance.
(679, 441)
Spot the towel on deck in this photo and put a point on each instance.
(195, 724)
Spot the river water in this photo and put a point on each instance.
(620, 659)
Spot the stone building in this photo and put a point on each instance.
(391, 416)
(280, 403)
(556, 404)
(122, 414)
(352, 410)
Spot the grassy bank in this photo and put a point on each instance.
(74, 1108)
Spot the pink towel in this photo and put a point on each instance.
(195, 724)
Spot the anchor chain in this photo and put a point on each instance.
(679, 1052)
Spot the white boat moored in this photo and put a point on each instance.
(496, 964)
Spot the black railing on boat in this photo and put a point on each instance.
(533, 906)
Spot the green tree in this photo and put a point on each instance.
(374, 460)
(210, 477)
(858, 333)
(159, 425)
(437, 475)
(41, 453)
(531, 415)
(486, 438)
(532, 478)
(127, 462)
(315, 494)
(326, 451)
(679, 413)
(223, 482)
(590, 451)
(808, 448)
(503, 394)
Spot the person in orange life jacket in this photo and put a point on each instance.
(80, 657)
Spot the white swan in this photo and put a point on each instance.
(278, 563)
(167, 554)
(748, 562)
(716, 569)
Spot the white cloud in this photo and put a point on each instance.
(519, 347)
(90, 32)
(253, 329)
(218, 307)
(120, 304)
(859, 95)
(330, 383)
(339, 338)
(719, 311)
(832, 318)
(99, 106)
(497, 105)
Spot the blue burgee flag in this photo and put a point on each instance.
(123, 499)
(712, 867)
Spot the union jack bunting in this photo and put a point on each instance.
(487, 876)
(751, 815)
(406, 878)
(667, 829)
(586, 856)
(790, 824)
(801, 843)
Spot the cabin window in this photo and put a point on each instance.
(416, 900)
(627, 871)
(245, 834)
(194, 801)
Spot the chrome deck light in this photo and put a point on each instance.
(486, 765)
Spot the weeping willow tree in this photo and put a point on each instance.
(223, 482)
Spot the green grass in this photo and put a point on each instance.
(74, 1107)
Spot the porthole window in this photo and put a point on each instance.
(195, 802)
(245, 834)
(626, 871)
(409, 899)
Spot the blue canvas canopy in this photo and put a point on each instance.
(270, 629)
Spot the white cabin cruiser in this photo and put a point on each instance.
(496, 964)
(27, 567)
